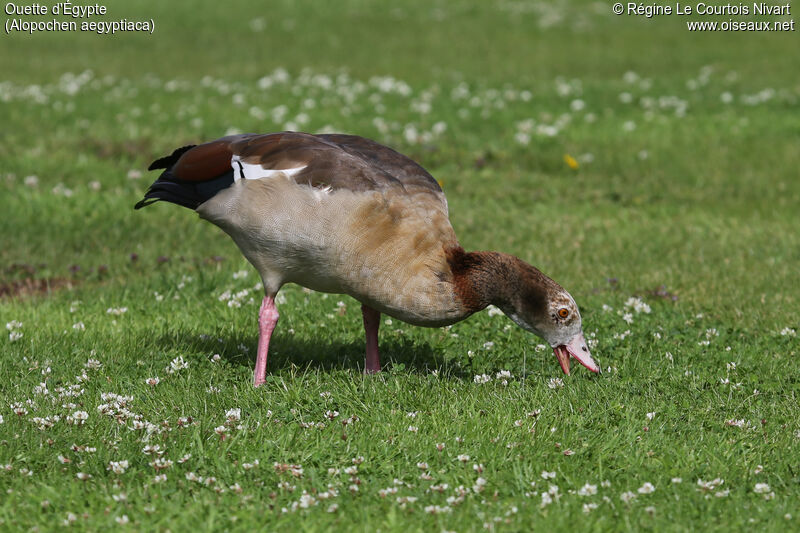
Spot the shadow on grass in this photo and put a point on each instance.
(287, 351)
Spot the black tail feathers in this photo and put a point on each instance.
(170, 189)
(168, 161)
(188, 194)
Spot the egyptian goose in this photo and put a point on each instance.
(344, 214)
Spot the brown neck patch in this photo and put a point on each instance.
(474, 276)
(483, 278)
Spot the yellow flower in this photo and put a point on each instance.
(571, 162)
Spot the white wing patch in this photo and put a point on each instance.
(249, 171)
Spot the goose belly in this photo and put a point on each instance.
(382, 251)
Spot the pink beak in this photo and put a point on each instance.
(578, 349)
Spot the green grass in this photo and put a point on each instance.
(685, 197)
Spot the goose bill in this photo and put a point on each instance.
(578, 349)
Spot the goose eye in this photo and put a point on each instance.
(563, 312)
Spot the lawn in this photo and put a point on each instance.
(650, 170)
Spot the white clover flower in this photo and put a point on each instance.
(306, 500)
(555, 383)
(621, 336)
(740, 423)
(482, 378)
(177, 364)
(250, 466)
(153, 381)
(761, 488)
(647, 488)
(522, 138)
(627, 497)
(638, 305)
(118, 467)
(437, 509)
(80, 417)
(706, 486)
(153, 449)
(504, 374)
(587, 490)
(546, 499)
(161, 463)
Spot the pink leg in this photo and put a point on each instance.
(267, 318)
(372, 320)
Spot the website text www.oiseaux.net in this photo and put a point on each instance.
(705, 10)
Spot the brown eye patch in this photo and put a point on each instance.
(563, 312)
